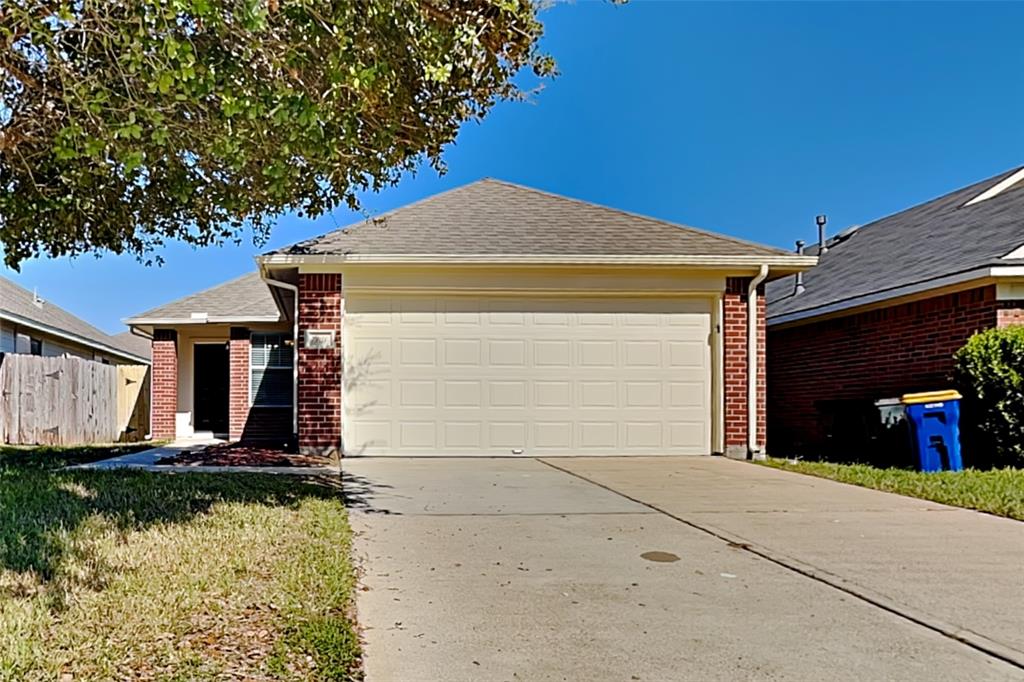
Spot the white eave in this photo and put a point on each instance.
(207, 319)
(997, 188)
(1016, 254)
(875, 297)
(709, 261)
(69, 336)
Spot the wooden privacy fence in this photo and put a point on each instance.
(70, 401)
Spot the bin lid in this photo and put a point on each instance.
(930, 397)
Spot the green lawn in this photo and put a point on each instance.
(130, 574)
(998, 491)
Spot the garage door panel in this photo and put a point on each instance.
(507, 394)
(462, 393)
(462, 352)
(506, 435)
(463, 435)
(480, 376)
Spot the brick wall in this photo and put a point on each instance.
(734, 341)
(320, 370)
(238, 391)
(1009, 312)
(867, 356)
(165, 383)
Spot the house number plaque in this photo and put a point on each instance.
(319, 339)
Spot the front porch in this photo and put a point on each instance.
(218, 381)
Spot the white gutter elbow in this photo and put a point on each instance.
(753, 447)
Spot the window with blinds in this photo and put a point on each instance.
(270, 367)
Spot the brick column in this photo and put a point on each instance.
(320, 369)
(238, 391)
(165, 383)
(734, 340)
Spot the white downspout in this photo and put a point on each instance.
(295, 344)
(752, 444)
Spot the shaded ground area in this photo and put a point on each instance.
(243, 454)
(502, 569)
(135, 575)
(52, 456)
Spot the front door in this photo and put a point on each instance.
(211, 379)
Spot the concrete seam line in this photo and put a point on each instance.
(966, 637)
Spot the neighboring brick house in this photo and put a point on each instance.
(492, 319)
(887, 307)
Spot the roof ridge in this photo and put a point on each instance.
(632, 214)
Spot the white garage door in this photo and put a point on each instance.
(499, 376)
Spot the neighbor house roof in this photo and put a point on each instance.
(246, 298)
(26, 309)
(918, 248)
(495, 218)
(136, 344)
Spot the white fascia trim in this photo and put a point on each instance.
(80, 340)
(1015, 254)
(802, 262)
(899, 292)
(997, 188)
(135, 321)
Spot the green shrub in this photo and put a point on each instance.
(989, 372)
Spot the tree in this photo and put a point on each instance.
(125, 123)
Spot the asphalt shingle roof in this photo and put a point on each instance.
(935, 239)
(20, 302)
(492, 217)
(136, 344)
(245, 297)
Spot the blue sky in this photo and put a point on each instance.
(747, 119)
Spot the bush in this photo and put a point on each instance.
(989, 372)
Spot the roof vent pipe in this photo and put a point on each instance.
(822, 246)
(799, 288)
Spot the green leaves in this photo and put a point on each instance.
(989, 373)
(137, 121)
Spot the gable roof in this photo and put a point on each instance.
(23, 307)
(495, 218)
(916, 247)
(246, 298)
(136, 344)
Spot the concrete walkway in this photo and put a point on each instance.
(146, 460)
(673, 569)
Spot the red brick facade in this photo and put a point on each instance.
(734, 341)
(320, 370)
(238, 391)
(165, 383)
(866, 356)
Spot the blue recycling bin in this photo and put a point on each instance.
(935, 429)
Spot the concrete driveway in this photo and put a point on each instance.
(673, 569)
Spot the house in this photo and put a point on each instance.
(492, 319)
(30, 324)
(887, 307)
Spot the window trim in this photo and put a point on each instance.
(283, 337)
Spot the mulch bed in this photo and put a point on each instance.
(241, 454)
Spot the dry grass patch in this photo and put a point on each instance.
(137, 576)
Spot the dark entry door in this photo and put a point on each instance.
(211, 378)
